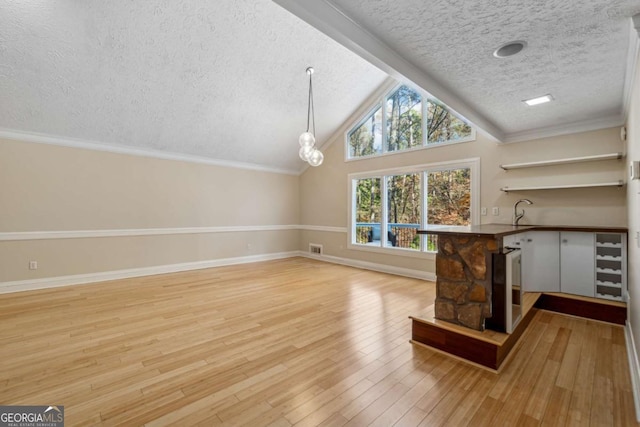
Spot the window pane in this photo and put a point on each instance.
(403, 217)
(368, 211)
(442, 126)
(448, 199)
(367, 138)
(404, 119)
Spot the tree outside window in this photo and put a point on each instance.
(442, 126)
(448, 200)
(443, 193)
(404, 206)
(366, 139)
(404, 113)
(368, 204)
(404, 119)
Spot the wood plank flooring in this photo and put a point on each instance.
(291, 342)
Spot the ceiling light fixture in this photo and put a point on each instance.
(539, 100)
(509, 49)
(308, 151)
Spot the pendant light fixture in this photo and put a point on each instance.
(308, 151)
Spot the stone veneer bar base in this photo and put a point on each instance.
(463, 287)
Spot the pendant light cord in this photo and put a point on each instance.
(311, 114)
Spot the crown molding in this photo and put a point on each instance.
(40, 138)
(330, 20)
(565, 129)
(632, 62)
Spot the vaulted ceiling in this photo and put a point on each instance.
(225, 80)
(580, 52)
(221, 79)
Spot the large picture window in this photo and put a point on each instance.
(397, 124)
(389, 208)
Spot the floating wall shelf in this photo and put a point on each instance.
(609, 156)
(558, 187)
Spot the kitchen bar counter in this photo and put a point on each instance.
(500, 230)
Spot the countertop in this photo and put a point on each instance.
(500, 230)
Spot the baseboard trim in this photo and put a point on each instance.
(591, 308)
(79, 279)
(634, 367)
(398, 271)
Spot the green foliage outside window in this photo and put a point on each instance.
(404, 207)
(368, 207)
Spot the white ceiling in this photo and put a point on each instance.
(221, 79)
(225, 79)
(578, 51)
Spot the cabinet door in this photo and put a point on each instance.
(541, 261)
(577, 263)
(513, 240)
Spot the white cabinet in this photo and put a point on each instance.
(577, 263)
(611, 265)
(541, 261)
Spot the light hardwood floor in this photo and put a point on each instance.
(291, 342)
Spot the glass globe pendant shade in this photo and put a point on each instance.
(305, 152)
(307, 139)
(316, 158)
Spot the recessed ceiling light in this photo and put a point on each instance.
(509, 49)
(539, 100)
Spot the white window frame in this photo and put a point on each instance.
(381, 103)
(473, 164)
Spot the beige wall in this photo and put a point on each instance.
(53, 188)
(324, 198)
(633, 195)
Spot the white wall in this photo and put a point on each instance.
(633, 198)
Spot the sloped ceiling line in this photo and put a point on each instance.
(331, 21)
(580, 51)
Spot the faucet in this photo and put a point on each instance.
(517, 216)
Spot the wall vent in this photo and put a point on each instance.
(315, 248)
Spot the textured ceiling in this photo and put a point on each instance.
(225, 79)
(577, 51)
(221, 79)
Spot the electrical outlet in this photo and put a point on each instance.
(483, 211)
(249, 246)
(33, 265)
(495, 211)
